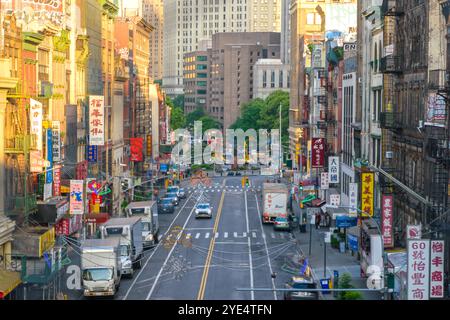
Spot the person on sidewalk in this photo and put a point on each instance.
(318, 218)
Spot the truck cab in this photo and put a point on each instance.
(148, 211)
(101, 267)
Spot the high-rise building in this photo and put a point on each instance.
(188, 22)
(233, 56)
(195, 80)
(153, 13)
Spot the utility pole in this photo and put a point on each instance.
(281, 149)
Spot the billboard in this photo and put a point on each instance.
(57, 180)
(387, 204)
(418, 269)
(49, 173)
(333, 169)
(317, 152)
(436, 110)
(96, 120)
(367, 193)
(76, 197)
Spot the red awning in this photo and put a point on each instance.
(98, 218)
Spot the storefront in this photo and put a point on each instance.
(397, 265)
(93, 221)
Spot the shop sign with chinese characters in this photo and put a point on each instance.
(318, 152)
(324, 182)
(333, 169)
(353, 198)
(367, 186)
(437, 269)
(418, 269)
(96, 121)
(335, 199)
(387, 219)
(36, 123)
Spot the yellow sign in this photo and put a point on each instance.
(46, 241)
(367, 186)
(149, 145)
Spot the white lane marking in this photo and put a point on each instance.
(207, 235)
(217, 235)
(230, 242)
(235, 234)
(197, 235)
(169, 255)
(249, 248)
(190, 229)
(157, 246)
(225, 235)
(254, 234)
(267, 250)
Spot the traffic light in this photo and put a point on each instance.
(302, 205)
(300, 186)
(247, 183)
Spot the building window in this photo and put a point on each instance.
(272, 79)
(280, 80)
(264, 79)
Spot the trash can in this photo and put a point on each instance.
(325, 284)
(342, 247)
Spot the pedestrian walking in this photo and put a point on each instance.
(318, 218)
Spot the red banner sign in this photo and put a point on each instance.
(57, 181)
(387, 204)
(136, 148)
(317, 152)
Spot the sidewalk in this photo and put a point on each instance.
(342, 262)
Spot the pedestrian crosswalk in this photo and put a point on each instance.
(235, 235)
(212, 189)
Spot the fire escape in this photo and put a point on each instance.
(390, 117)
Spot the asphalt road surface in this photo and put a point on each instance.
(208, 259)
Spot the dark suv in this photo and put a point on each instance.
(165, 205)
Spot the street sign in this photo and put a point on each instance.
(413, 232)
(327, 237)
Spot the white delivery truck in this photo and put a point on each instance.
(129, 232)
(148, 211)
(275, 199)
(101, 267)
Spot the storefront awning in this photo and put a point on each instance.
(318, 203)
(97, 217)
(9, 280)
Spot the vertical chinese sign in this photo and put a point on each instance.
(149, 145)
(353, 198)
(96, 121)
(317, 152)
(49, 173)
(437, 269)
(335, 199)
(56, 130)
(387, 220)
(57, 180)
(333, 169)
(136, 146)
(92, 153)
(36, 123)
(76, 197)
(418, 269)
(324, 182)
(367, 186)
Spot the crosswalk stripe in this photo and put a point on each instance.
(188, 236)
(217, 235)
(225, 235)
(254, 234)
(197, 235)
(235, 234)
(207, 235)
(264, 235)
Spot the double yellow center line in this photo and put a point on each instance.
(201, 291)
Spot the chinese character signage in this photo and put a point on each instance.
(387, 220)
(317, 152)
(418, 269)
(96, 121)
(324, 182)
(36, 161)
(57, 180)
(36, 123)
(49, 173)
(437, 269)
(92, 153)
(353, 198)
(335, 199)
(76, 197)
(47, 191)
(149, 145)
(136, 149)
(333, 169)
(367, 186)
(436, 110)
(56, 130)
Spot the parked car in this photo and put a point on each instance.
(230, 173)
(173, 196)
(165, 205)
(203, 210)
(182, 193)
(283, 223)
(238, 173)
(301, 282)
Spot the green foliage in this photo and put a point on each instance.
(264, 114)
(199, 114)
(179, 101)
(345, 283)
(194, 116)
(177, 119)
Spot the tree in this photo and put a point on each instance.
(179, 101)
(345, 283)
(194, 116)
(177, 119)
